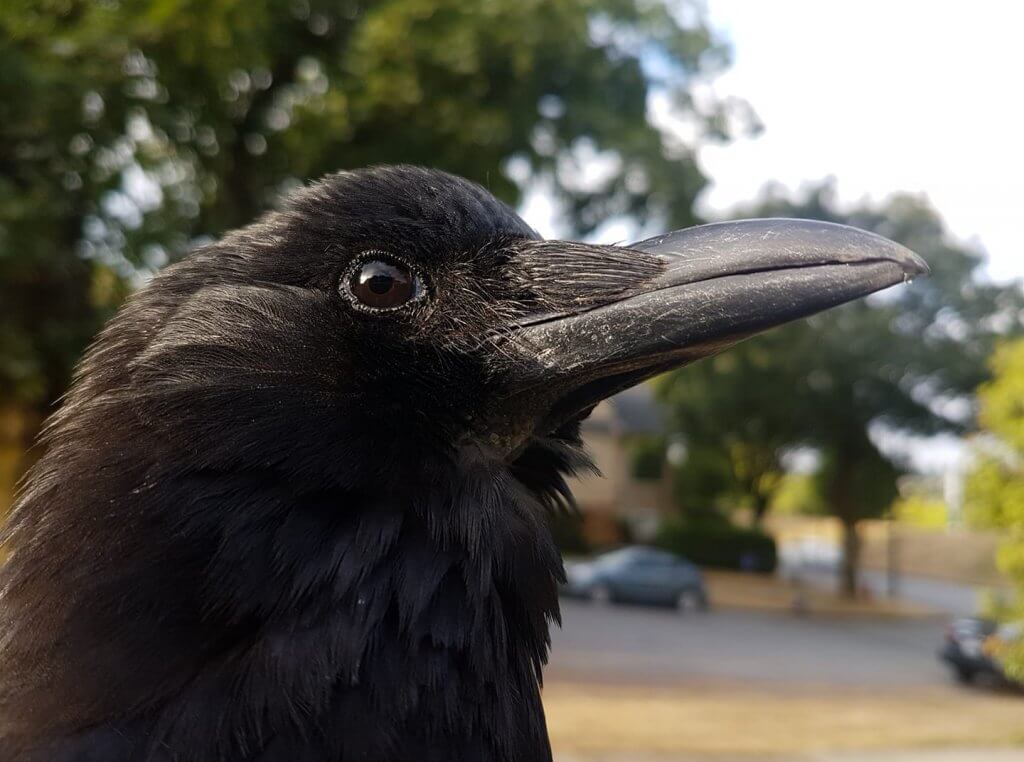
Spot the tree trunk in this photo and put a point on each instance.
(18, 429)
(847, 510)
(848, 580)
(50, 303)
(760, 508)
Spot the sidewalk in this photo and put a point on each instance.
(928, 755)
(924, 755)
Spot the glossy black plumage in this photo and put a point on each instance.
(269, 526)
(253, 536)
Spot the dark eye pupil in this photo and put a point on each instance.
(382, 285)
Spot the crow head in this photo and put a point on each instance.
(402, 311)
(293, 507)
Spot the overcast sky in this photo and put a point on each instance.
(903, 95)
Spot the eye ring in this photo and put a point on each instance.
(381, 282)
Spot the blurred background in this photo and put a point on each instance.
(834, 512)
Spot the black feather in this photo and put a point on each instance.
(269, 527)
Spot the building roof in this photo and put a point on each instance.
(634, 411)
(638, 412)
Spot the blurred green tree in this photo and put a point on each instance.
(994, 495)
(735, 431)
(904, 361)
(131, 129)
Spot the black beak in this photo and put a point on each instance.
(721, 283)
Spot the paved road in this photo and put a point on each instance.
(651, 645)
(952, 598)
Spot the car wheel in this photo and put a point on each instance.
(691, 600)
(601, 595)
(964, 675)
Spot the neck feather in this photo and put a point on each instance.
(263, 618)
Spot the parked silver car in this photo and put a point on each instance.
(638, 575)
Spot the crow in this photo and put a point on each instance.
(296, 504)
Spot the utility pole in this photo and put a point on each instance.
(892, 556)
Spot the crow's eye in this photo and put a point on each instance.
(383, 285)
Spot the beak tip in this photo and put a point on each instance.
(914, 265)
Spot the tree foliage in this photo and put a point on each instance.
(131, 129)
(727, 409)
(995, 489)
(907, 361)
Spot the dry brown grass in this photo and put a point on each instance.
(711, 720)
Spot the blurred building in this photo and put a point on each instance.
(624, 499)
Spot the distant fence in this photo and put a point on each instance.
(954, 554)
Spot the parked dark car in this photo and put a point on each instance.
(972, 649)
(638, 575)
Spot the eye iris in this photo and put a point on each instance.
(382, 285)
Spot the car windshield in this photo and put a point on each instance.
(624, 557)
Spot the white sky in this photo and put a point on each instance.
(903, 95)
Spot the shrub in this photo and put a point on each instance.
(720, 546)
(567, 531)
